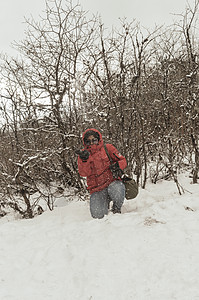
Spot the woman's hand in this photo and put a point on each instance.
(83, 154)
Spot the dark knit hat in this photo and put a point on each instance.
(91, 132)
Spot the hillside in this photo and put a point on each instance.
(149, 252)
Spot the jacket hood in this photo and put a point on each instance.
(100, 144)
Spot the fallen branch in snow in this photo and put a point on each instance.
(189, 208)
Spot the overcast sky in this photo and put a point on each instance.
(147, 12)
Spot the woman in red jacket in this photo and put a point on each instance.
(103, 181)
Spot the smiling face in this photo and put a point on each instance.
(92, 139)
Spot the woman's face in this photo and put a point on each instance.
(91, 140)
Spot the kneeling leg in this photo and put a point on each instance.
(99, 204)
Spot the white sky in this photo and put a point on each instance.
(147, 12)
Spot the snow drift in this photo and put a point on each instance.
(149, 252)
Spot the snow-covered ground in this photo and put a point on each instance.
(149, 252)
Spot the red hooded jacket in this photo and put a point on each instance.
(96, 168)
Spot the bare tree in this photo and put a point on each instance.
(140, 88)
(42, 96)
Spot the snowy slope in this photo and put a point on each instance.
(149, 252)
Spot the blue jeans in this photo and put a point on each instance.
(99, 201)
